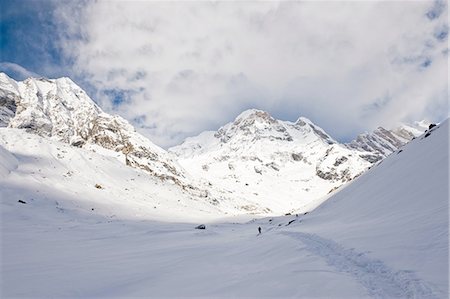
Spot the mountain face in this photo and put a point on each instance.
(271, 161)
(61, 110)
(280, 164)
(381, 142)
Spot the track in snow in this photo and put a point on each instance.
(379, 280)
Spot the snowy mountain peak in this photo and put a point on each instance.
(252, 114)
(59, 109)
(260, 158)
(253, 125)
(54, 108)
(304, 123)
(7, 83)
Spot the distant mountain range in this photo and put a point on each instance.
(255, 164)
(282, 164)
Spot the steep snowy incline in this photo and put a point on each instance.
(395, 216)
(61, 110)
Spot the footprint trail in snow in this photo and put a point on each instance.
(379, 280)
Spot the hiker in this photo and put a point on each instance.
(259, 229)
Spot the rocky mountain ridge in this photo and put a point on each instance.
(382, 142)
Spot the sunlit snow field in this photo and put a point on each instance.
(383, 236)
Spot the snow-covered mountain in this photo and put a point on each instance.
(385, 235)
(61, 110)
(382, 142)
(82, 180)
(282, 164)
(257, 163)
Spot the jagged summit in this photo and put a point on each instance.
(253, 113)
(255, 129)
(54, 108)
(252, 125)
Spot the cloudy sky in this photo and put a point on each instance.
(175, 69)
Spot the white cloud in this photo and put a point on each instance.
(192, 66)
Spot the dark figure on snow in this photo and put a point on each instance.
(259, 229)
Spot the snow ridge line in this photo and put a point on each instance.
(379, 280)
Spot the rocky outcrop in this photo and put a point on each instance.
(382, 142)
(254, 125)
(8, 100)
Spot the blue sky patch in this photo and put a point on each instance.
(118, 96)
(28, 37)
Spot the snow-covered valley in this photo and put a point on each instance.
(91, 208)
(383, 236)
(224, 149)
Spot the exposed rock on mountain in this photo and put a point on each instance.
(381, 142)
(61, 110)
(276, 163)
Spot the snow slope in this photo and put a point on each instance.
(42, 169)
(385, 235)
(397, 216)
